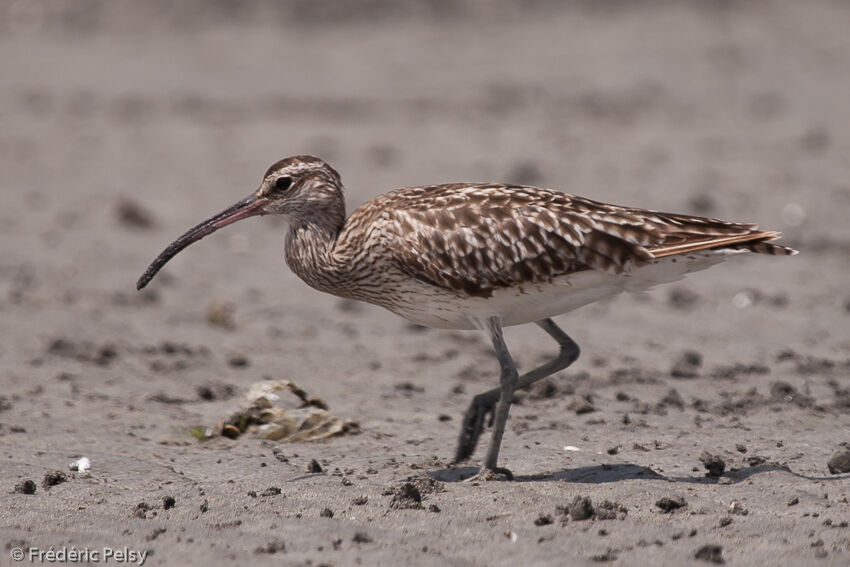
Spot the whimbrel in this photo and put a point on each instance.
(478, 256)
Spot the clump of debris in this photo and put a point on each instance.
(266, 414)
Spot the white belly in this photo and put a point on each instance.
(517, 305)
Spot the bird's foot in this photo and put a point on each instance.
(473, 423)
(485, 474)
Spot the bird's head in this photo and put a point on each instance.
(299, 188)
(302, 189)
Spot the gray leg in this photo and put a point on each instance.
(484, 404)
(508, 382)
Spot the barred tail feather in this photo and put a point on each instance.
(767, 248)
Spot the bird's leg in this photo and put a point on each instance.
(508, 382)
(484, 404)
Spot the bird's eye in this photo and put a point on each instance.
(282, 183)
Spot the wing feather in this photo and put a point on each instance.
(478, 238)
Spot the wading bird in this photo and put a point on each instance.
(478, 256)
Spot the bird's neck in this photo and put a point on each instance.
(310, 252)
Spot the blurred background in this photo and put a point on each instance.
(123, 123)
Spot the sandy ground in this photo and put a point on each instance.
(125, 123)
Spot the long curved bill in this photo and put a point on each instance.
(248, 207)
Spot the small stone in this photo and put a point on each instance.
(581, 508)
(132, 214)
(141, 510)
(784, 392)
(53, 478)
(724, 521)
(670, 503)
(361, 537)
(326, 513)
(271, 548)
(794, 501)
(314, 467)
(230, 431)
(406, 496)
(409, 388)
(682, 298)
(544, 390)
(673, 399)
(713, 463)
(737, 508)
(205, 393)
(211, 392)
(609, 556)
(582, 405)
(168, 502)
(221, 314)
(756, 460)
(608, 510)
(434, 508)
(711, 553)
(26, 487)
(839, 463)
(543, 520)
(688, 365)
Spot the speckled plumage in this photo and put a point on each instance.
(466, 241)
(467, 256)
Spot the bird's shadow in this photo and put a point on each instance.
(599, 474)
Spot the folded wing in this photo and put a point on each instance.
(478, 238)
